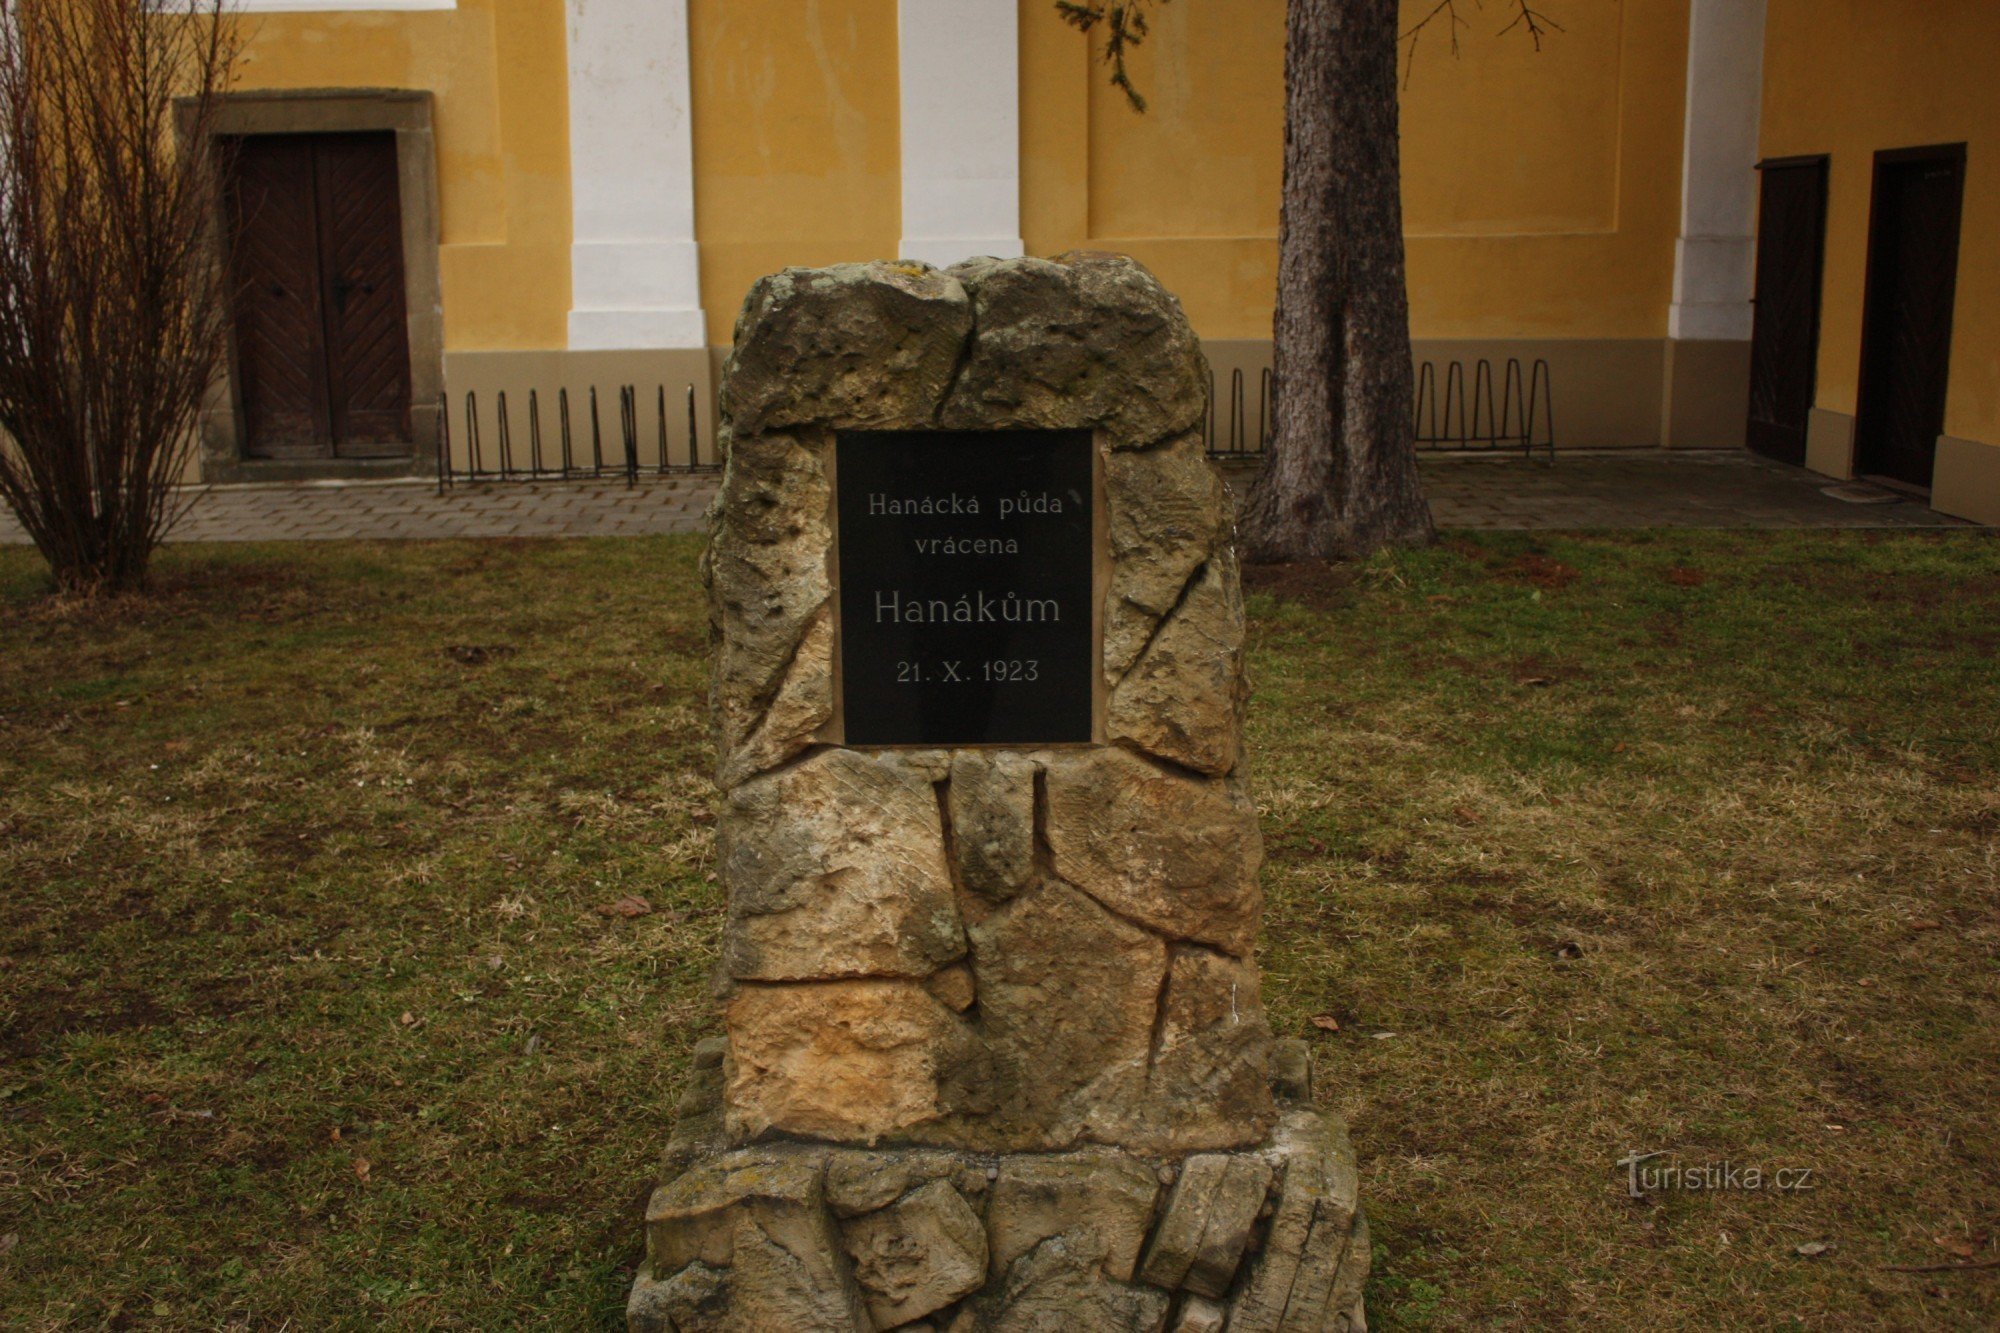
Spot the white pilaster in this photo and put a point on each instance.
(961, 106)
(634, 279)
(1715, 257)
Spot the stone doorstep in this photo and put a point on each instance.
(814, 1236)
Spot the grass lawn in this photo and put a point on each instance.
(1660, 842)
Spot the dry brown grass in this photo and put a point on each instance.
(1678, 842)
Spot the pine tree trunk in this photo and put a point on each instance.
(1341, 475)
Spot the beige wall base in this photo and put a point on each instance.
(1706, 401)
(486, 375)
(1250, 359)
(1607, 392)
(1830, 443)
(1966, 481)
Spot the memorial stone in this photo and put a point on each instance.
(994, 1057)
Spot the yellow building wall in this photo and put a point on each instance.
(1541, 190)
(1846, 77)
(797, 140)
(497, 70)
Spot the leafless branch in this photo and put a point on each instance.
(113, 310)
(1536, 23)
(1453, 21)
(1125, 28)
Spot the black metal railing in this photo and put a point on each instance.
(1241, 443)
(1516, 411)
(1522, 418)
(570, 456)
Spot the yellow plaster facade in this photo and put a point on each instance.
(1843, 78)
(1540, 189)
(1543, 191)
(496, 71)
(795, 140)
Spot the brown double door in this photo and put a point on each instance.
(1906, 318)
(322, 346)
(1784, 341)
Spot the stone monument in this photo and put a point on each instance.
(994, 1056)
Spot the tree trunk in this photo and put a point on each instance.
(1340, 478)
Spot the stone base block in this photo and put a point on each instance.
(803, 1237)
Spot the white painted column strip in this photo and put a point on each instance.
(634, 279)
(1715, 257)
(961, 108)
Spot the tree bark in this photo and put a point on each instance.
(1340, 476)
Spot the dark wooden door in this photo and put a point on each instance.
(1784, 341)
(322, 345)
(1906, 318)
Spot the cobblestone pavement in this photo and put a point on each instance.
(1640, 489)
(395, 511)
(1719, 488)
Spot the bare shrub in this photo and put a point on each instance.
(113, 313)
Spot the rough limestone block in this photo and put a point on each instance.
(1168, 514)
(1208, 1223)
(766, 574)
(1099, 1202)
(1332, 1269)
(1198, 1314)
(1292, 1073)
(1082, 340)
(698, 1128)
(1232, 1214)
(1176, 854)
(1211, 1047)
(790, 722)
(1315, 1216)
(953, 986)
(1055, 1288)
(836, 868)
(1345, 1310)
(692, 1218)
(861, 1180)
(1183, 699)
(1062, 1233)
(697, 1297)
(917, 1255)
(849, 1061)
(1067, 997)
(854, 345)
(993, 821)
(758, 1213)
(785, 1280)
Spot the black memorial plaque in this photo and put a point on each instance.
(966, 586)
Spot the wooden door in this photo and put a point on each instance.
(280, 332)
(1784, 341)
(1906, 317)
(322, 343)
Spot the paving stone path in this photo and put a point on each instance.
(397, 511)
(1650, 489)
(1720, 488)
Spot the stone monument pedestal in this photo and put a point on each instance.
(798, 1235)
(994, 1057)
